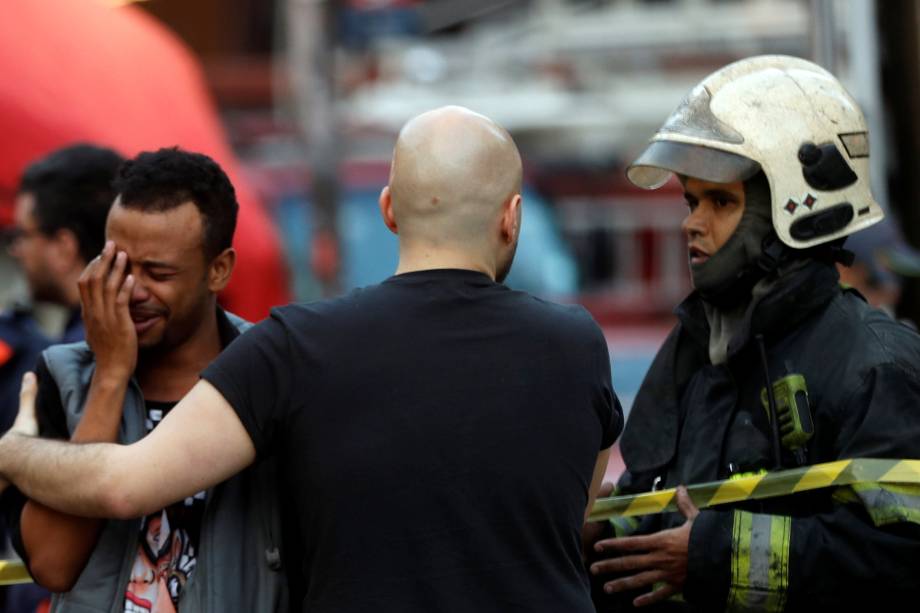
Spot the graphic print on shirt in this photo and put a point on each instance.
(167, 548)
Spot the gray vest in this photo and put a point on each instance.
(238, 567)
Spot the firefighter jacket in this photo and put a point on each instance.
(693, 421)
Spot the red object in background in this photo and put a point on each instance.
(324, 256)
(6, 352)
(80, 70)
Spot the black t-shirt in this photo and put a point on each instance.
(439, 433)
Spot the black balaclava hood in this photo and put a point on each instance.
(725, 279)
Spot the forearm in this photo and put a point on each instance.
(81, 479)
(102, 414)
(58, 545)
(600, 467)
(125, 481)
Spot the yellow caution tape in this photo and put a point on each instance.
(13, 572)
(766, 485)
(754, 487)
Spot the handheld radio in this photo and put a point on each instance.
(794, 414)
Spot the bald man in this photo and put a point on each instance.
(442, 435)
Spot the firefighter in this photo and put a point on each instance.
(772, 154)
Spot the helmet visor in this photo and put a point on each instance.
(653, 168)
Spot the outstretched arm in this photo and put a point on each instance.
(200, 443)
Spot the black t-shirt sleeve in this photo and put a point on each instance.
(614, 425)
(606, 403)
(52, 423)
(254, 375)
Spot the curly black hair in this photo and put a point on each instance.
(167, 178)
(72, 189)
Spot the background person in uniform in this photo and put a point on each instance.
(61, 205)
(883, 260)
(443, 435)
(772, 154)
(152, 325)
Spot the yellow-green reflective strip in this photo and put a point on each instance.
(760, 562)
(845, 495)
(889, 503)
(741, 560)
(780, 540)
(13, 572)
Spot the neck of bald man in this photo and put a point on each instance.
(419, 255)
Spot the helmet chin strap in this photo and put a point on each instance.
(726, 279)
(735, 290)
(725, 288)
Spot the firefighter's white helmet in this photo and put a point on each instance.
(785, 116)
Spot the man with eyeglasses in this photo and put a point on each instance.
(61, 206)
(62, 202)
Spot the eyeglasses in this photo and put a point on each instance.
(11, 236)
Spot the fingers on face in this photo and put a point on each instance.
(104, 282)
(87, 272)
(95, 273)
(105, 261)
(84, 283)
(116, 276)
(123, 299)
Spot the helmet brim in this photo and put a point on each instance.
(661, 158)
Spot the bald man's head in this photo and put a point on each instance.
(453, 170)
